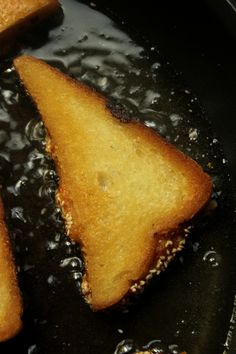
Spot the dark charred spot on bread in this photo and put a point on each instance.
(119, 111)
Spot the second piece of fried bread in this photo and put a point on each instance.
(10, 299)
(17, 15)
(122, 187)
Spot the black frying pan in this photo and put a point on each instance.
(190, 305)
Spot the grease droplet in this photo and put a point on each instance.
(212, 258)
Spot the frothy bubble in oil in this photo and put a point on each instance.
(128, 346)
(212, 259)
(102, 56)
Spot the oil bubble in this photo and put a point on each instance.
(17, 213)
(51, 245)
(174, 349)
(52, 280)
(34, 130)
(126, 346)
(212, 258)
(47, 190)
(72, 263)
(175, 119)
(32, 349)
(155, 346)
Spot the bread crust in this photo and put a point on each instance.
(10, 304)
(193, 186)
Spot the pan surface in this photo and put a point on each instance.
(188, 307)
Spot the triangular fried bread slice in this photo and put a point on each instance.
(121, 186)
(10, 299)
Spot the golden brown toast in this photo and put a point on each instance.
(123, 189)
(10, 299)
(16, 15)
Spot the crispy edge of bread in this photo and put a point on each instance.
(10, 35)
(194, 172)
(10, 317)
(172, 243)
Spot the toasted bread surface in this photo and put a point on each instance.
(15, 15)
(10, 299)
(122, 187)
